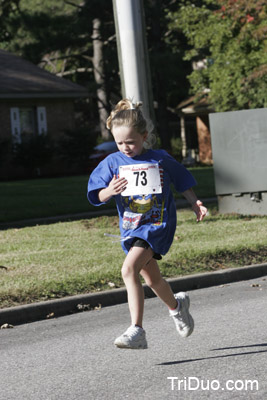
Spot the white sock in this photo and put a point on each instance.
(175, 311)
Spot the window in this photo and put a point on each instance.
(41, 120)
(27, 117)
(15, 125)
(27, 121)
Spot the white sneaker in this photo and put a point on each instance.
(182, 318)
(133, 338)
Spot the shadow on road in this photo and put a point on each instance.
(220, 356)
(241, 347)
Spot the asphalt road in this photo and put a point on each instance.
(73, 357)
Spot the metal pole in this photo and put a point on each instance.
(133, 54)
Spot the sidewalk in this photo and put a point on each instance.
(60, 307)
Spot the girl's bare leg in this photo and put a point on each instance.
(152, 276)
(135, 261)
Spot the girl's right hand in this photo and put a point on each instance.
(116, 186)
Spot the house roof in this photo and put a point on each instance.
(22, 79)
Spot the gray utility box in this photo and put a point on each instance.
(239, 149)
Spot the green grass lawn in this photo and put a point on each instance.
(39, 198)
(51, 261)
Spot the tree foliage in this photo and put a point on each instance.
(59, 36)
(230, 37)
(168, 69)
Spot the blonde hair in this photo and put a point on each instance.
(127, 113)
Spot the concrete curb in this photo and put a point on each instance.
(60, 307)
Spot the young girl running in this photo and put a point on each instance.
(139, 179)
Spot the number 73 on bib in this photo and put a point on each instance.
(142, 179)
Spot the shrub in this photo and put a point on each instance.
(76, 146)
(34, 152)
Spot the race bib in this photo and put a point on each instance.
(142, 179)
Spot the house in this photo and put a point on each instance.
(32, 102)
(195, 131)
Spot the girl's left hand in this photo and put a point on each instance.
(199, 210)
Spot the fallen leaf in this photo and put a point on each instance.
(224, 285)
(7, 326)
(84, 307)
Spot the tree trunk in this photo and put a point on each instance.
(98, 63)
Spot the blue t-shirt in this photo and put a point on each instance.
(152, 216)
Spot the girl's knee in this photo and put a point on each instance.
(127, 271)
